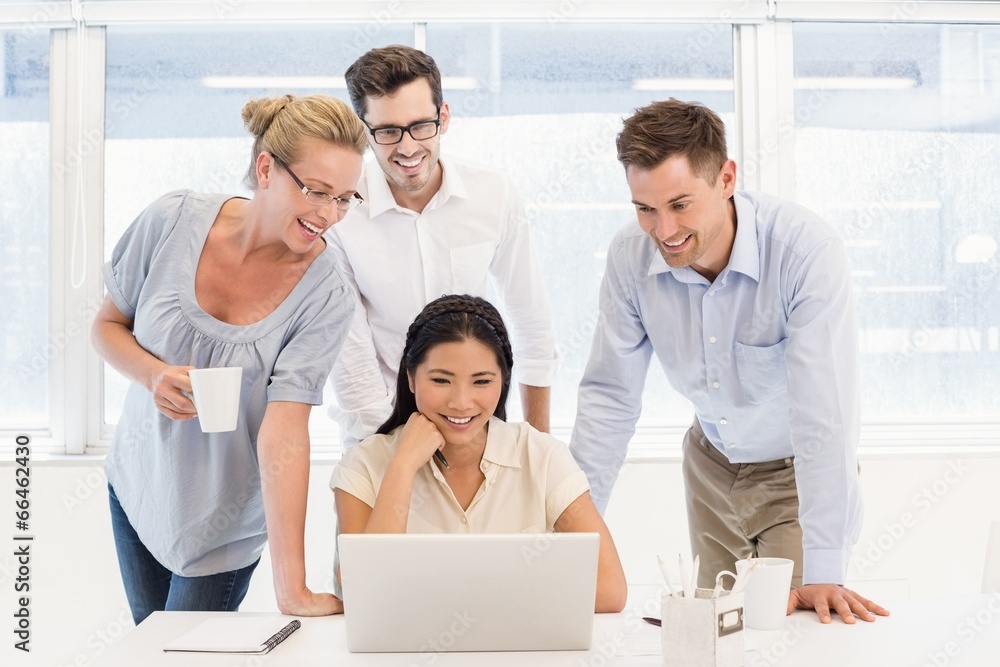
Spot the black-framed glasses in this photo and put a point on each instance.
(319, 197)
(421, 130)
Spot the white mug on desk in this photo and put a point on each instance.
(766, 591)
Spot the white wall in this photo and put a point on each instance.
(925, 535)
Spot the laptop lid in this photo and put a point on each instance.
(483, 592)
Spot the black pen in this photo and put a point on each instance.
(440, 457)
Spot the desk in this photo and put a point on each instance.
(947, 632)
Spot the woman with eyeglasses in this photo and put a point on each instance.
(209, 280)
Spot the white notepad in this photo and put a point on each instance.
(235, 634)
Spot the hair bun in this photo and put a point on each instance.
(259, 114)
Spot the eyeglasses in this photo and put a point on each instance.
(319, 197)
(421, 130)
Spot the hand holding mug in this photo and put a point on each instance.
(170, 388)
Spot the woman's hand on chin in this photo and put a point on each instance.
(418, 442)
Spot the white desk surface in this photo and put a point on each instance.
(945, 632)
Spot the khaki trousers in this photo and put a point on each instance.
(738, 509)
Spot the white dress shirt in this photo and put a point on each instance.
(767, 353)
(472, 233)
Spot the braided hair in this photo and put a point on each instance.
(450, 319)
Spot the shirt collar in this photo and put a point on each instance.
(502, 445)
(744, 257)
(375, 188)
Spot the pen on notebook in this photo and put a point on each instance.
(440, 457)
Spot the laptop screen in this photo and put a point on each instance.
(484, 592)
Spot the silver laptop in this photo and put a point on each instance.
(501, 592)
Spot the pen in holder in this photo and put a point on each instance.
(702, 631)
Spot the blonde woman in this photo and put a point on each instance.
(209, 280)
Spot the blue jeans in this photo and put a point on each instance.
(151, 587)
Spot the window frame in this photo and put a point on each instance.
(762, 49)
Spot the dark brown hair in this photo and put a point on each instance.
(664, 129)
(382, 72)
(450, 319)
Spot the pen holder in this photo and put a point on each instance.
(702, 631)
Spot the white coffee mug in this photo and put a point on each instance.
(766, 592)
(216, 394)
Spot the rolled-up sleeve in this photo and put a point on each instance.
(517, 277)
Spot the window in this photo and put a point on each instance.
(544, 102)
(27, 348)
(898, 153)
(886, 129)
(174, 97)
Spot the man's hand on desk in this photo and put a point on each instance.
(824, 597)
(307, 603)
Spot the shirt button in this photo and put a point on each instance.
(712, 293)
(715, 384)
(711, 339)
(723, 421)
(465, 520)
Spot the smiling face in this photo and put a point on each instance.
(320, 166)
(457, 387)
(411, 166)
(691, 221)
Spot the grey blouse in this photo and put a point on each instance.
(194, 498)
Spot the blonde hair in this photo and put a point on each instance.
(282, 125)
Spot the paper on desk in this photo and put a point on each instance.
(235, 633)
(641, 639)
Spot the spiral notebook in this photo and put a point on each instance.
(235, 634)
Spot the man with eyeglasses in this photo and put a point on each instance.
(430, 225)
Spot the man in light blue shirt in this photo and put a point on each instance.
(747, 302)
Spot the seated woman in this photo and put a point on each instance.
(446, 461)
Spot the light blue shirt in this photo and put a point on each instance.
(194, 498)
(767, 353)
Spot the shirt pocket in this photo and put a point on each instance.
(469, 265)
(761, 370)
